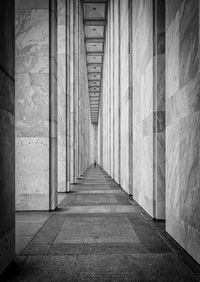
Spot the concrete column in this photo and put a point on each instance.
(71, 15)
(119, 89)
(7, 133)
(130, 99)
(76, 89)
(62, 96)
(116, 89)
(159, 110)
(111, 93)
(142, 50)
(109, 86)
(79, 129)
(53, 162)
(85, 134)
(68, 114)
(124, 94)
(36, 105)
(100, 126)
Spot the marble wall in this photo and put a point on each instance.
(7, 133)
(182, 124)
(35, 105)
(62, 145)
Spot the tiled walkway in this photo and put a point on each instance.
(97, 234)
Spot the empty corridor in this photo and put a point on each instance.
(97, 234)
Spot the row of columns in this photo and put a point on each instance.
(132, 109)
(45, 122)
(51, 101)
(154, 63)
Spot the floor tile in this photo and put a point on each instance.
(96, 230)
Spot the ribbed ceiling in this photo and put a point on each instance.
(94, 24)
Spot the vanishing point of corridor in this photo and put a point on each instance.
(97, 234)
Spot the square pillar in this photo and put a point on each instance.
(7, 133)
(62, 120)
(159, 109)
(36, 105)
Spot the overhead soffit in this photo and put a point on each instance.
(94, 24)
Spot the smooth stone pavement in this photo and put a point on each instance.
(97, 234)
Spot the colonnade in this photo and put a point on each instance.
(147, 136)
(53, 140)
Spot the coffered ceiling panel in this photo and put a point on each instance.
(94, 59)
(95, 11)
(94, 68)
(94, 89)
(94, 83)
(94, 47)
(95, 24)
(94, 31)
(94, 76)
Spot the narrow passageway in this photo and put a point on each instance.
(97, 234)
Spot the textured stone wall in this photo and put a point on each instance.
(7, 134)
(62, 145)
(183, 124)
(36, 134)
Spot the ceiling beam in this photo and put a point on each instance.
(94, 40)
(95, 53)
(91, 79)
(94, 22)
(95, 73)
(92, 91)
(94, 1)
(94, 64)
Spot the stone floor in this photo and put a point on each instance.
(97, 234)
